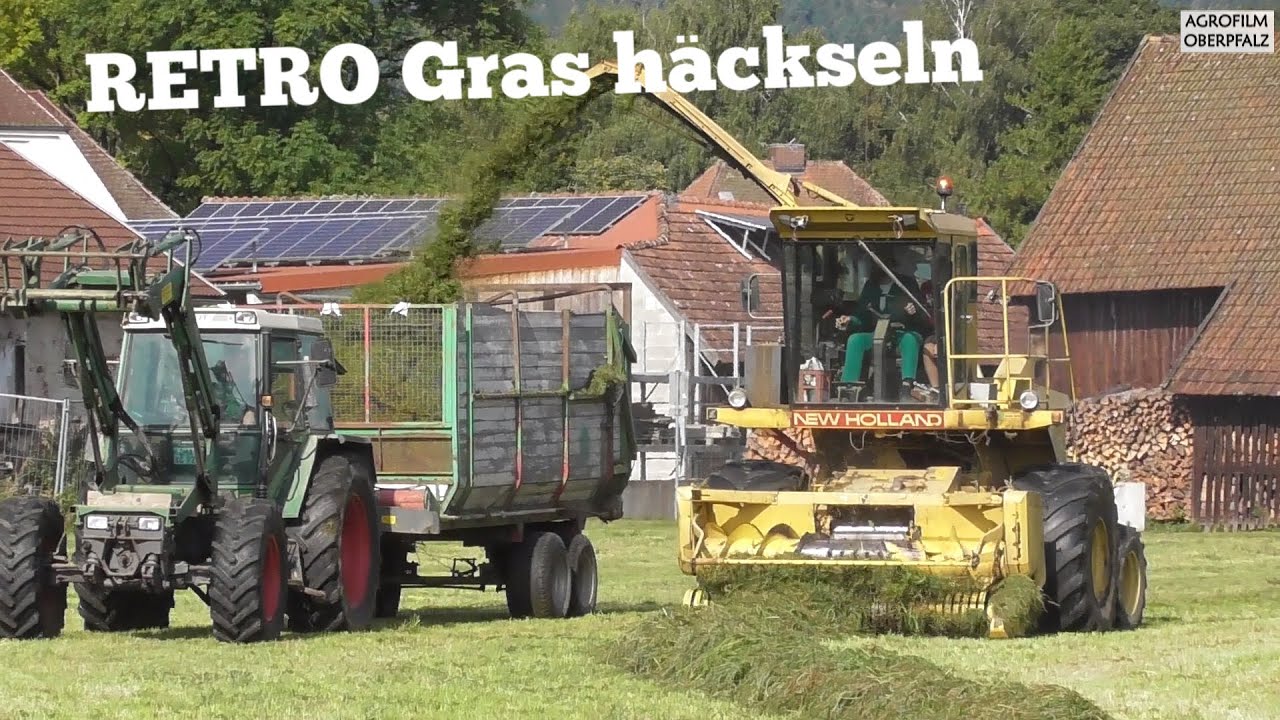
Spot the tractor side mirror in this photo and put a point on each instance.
(751, 293)
(1046, 303)
(327, 368)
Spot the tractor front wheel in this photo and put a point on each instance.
(339, 542)
(32, 604)
(1131, 591)
(1080, 532)
(249, 573)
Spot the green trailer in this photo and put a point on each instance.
(498, 425)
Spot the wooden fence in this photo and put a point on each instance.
(1236, 475)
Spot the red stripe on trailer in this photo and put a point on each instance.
(402, 498)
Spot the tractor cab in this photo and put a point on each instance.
(266, 386)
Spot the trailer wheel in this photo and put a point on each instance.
(1079, 545)
(584, 580)
(32, 604)
(249, 572)
(121, 610)
(339, 542)
(756, 475)
(1131, 579)
(538, 577)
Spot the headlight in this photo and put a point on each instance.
(149, 523)
(1029, 400)
(737, 398)
(96, 522)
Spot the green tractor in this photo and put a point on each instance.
(215, 463)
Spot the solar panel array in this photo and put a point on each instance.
(295, 231)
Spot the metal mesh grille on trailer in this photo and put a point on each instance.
(393, 361)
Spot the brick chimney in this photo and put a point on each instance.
(788, 157)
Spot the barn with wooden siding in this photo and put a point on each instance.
(1163, 238)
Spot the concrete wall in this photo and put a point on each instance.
(649, 500)
(45, 348)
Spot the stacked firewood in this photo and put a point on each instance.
(792, 446)
(1140, 436)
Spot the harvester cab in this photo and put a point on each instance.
(905, 445)
(215, 463)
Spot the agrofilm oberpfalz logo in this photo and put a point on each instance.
(1228, 31)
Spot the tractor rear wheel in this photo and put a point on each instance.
(32, 603)
(756, 475)
(339, 543)
(538, 577)
(584, 582)
(1131, 579)
(1080, 531)
(121, 610)
(249, 573)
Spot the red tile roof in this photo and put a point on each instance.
(38, 205)
(1174, 188)
(994, 258)
(699, 272)
(832, 175)
(33, 110)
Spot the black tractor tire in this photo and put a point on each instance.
(32, 604)
(339, 540)
(756, 475)
(584, 580)
(1080, 532)
(1131, 579)
(539, 581)
(395, 560)
(249, 573)
(123, 610)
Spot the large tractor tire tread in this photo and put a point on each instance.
(1076, 499)
(584, 583)
(1131, 579)
(756, 475)
(123, 610)
(339, 541)
(539, 581)
(32, 605)
(249, 572)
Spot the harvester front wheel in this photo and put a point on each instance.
(1131, 595)
(340, 546)
(249, 573)
(121, 610)
(539, 581)
(1080, 531)
(32, 604)
(584, 581)
(756, 475)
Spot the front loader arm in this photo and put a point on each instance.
(783, 188)
(79, 292)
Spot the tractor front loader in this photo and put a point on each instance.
(909, 447)
(215, 464)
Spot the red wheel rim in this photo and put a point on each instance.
(355, 551)
(271, 580)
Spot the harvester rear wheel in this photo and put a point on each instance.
(339, 543)
(539, 581)
(249, 572)
(756, 475)
(1080, 531)
(121, 610)
(1131, 579)
(32, 604)
(584, 578)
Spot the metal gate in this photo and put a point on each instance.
(36, 439)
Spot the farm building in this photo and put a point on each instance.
(1162, 237)
(52, 175)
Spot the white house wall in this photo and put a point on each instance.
(57, 155)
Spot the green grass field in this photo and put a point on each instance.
(1210, 650)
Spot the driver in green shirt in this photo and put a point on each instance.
(882, 297)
